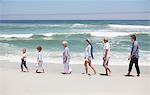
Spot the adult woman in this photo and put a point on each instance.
(88, 56)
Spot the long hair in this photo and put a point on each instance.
(91, 48)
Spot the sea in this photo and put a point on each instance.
(18, 34)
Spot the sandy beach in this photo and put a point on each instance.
(14, 82)
(50, 36)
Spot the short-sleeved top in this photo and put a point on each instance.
(87, 51)
(24, 55)
(66, 53)
(39, 56)
(106, 47)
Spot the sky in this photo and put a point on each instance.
(74, 9)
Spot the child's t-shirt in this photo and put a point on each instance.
(39, 56)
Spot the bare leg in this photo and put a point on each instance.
(106, 71)
(92, 67)
(109, 70)
(86, 68)
(43, 71)
(105, 66)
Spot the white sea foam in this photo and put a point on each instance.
(79, 26)
(128, 26)
(16, 35)
(64, 33)
(99, 33)
(48, 34)
(108, 34)
(115, 34)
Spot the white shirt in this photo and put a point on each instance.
(66, 53)
(106, 47)
(24, 55)
(87, 52)
(39, 56)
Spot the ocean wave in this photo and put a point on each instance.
(108, 34)
(99, 33)
(128, 26)
(16, 35)
(79, 26)
(67, 33)
(22, 26)
(115, 34)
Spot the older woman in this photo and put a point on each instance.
(66, 58)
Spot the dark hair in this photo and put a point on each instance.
(133, 36)
(91, 48)
(105, 40)
(88, 41)
(39, 48)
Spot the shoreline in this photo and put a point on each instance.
(54, 67)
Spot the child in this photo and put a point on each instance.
(23, 60)
(39, 60)
(66, 58)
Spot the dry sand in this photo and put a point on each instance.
(14, 82)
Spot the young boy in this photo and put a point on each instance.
(39, 60)
(23, 60)
(66, 58)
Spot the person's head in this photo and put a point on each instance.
(65, 44)
(88, 42)
(105, 39)
(39, 48)
(24, 50)
(133, 38)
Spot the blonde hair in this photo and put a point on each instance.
(24, 50)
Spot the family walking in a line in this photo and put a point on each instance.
(88, 57)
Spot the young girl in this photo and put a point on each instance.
(23, 60)
(39, 60)
(88, 56)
